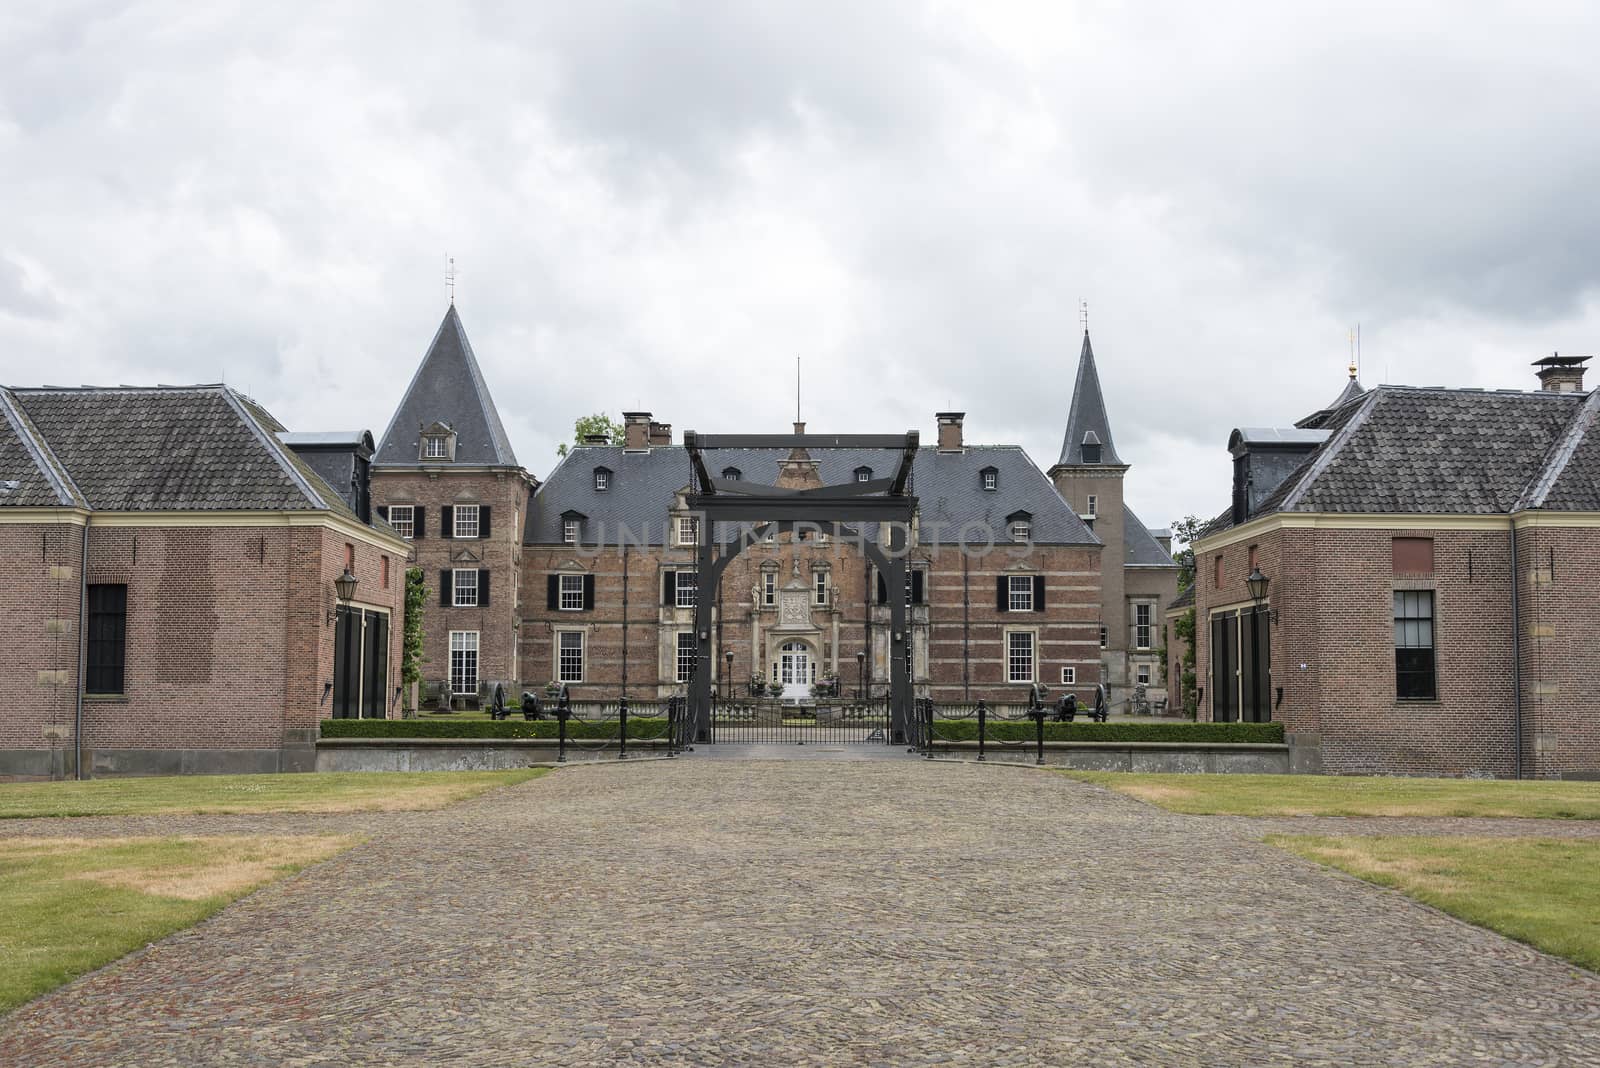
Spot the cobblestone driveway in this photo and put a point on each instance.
(698, 912)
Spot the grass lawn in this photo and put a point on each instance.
(70, 905)
(353, 791)
(1340, 795)
(1541, 891)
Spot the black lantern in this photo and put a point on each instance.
(1256, 583)
(345, 585)
(861, 674)
(727, 678)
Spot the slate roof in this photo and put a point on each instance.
(30, 476)
(167, 448)
(1352, 391)
(447, 388)
(1185, 599)
(1088, 414)
(1437, 451)
(1142, 548)
(948, 486)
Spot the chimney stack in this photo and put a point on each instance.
(1561, 374)
(660, 433)
(950, 430)
(597, 439)
(636, 430)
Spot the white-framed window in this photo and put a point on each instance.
(1142, 628)
(569, 656)
(1019, 656)
(464, 661)
(1142, 674)
(1021, 530)
(602, 479)
(571, 599)
(1019, 593)
(465, 520)
(464, 587)
(403, 518)
(435, 447)
(991, 480)
(863, 474)
(819, 588)
(569, 531)
(1069, 676)
(688, 589)
(687, 654)
(769, 588)
(688, 530)
(1094, 505)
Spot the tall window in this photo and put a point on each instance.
(403, 517)
(569, 656)
(464, 661)
(1094, 504)
(688, 589)
(1142, 627)
(569, 531)
(1142, 675)
(687, 654)
(571, 593)
(688, 530)
(769, 588)
(383, 571)
(1019, 593)
(464, 587)
(1415, 668)
(466, 520)
(108, 617)
(1019, 656)
(435, 447)
(819, 589)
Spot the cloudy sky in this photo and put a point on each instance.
(660, 205)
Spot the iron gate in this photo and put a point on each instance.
(757, 722)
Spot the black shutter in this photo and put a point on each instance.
(588, 591)
(669, 587)
(552, 592)
(916, 586)
(883, 589)
(444, 588)
(446, 515)
(483, 521)
(1001, 600)
(419, 522)
(483, 587)
(383, 512)
(1038, 593)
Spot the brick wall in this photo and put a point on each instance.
(39, 609)
(1560, 572)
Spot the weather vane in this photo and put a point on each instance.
(450, 278)
(1083, 314)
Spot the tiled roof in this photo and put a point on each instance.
(447, 388)
(1142, 549)
(1185, 599)
(30, 477)
(1351, 392)
(948, 485)
(1571, 479)
(1088, 413)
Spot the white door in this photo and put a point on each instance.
(794, 671)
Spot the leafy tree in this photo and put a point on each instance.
(1186, 530)
(584, 425)
(411, 642)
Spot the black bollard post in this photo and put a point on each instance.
(1038, 719)
(983, 723)
(672, 726)
(563, 710)
(622, 715)
(927, 735)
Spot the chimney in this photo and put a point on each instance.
(597, 439)
(1561, 374)
(636, 430)
(1164, 539)
(950, 430)
(799, 428)
(660, 433)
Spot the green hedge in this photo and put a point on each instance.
(966, 730)
(642, 729)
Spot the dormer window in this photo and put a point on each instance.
(1091, 447)
(571, 527)
(863, 474)
(991, 479)
(602, 479)
(1019, 526)
(435, 447)
(732, 474)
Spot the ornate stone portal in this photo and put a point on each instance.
(794, 670)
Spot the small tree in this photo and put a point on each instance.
(584, 425)
(1188, 692)
(411, 642)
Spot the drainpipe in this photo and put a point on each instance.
(1516, 650)
(83, 652)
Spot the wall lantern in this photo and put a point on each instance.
(344, 588)
(1257, 583)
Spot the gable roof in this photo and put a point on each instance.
(1570, 481)
(30, 475)
(448, 387)
(1088, 414)
(949, 492)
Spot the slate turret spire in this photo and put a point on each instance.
(1087, 421)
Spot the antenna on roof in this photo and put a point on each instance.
(450, 278)
(797, 389)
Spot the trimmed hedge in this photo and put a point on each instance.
(643, 728)
(966, 730)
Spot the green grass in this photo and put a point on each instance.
(68, 906)
(1339, 795)
(966, 730)
(1540, 891)
(207, 794)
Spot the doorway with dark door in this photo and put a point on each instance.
(360, 663)
(1241, 665)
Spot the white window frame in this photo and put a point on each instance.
(569, 593)
(1142, 674)
(463, 658)
(410, 529)
(563, 674)
(864, 475)
(436, 446)
(688, 530)
(694, 590)
(1021, 530)
(457, 588)
(1143, 633)
(1069, 676)
(469, 528)
(769, 588)
(991, 481)
(693, 651)
(1013, 658)
(819, 588)
(1019, 593)
(569, 531)
(602, 481)
(1094, 505)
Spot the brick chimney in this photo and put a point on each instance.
(636, 430)
(950, 430)
(597, 439)
(1561, 374)
(660, 434)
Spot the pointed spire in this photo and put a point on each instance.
(447, 388)
(1087, 421)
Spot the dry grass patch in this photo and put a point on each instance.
(1542, 891)
(68, 906)
(1350, 795)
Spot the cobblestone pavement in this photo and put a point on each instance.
(709, 912)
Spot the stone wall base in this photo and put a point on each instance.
(1220, 758)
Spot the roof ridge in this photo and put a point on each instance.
(497, 430)
(44, 458)
(1560, 454)
(1329, 449)
(276, 449)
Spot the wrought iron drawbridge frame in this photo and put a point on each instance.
(825, 508)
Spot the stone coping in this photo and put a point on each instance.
(480, 743)
(1148, 747)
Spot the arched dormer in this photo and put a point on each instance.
(732, 474)
(1019, 526)
(863, 474)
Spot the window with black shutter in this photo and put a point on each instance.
(446, 521)
(669, 588)
(445, 593)
(1038, 593)
(419, 522)
(588, 591)
(107, 645)
(483, 520)
(1002, 594)
(916, 586)
(483, 587)
(552, 592)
